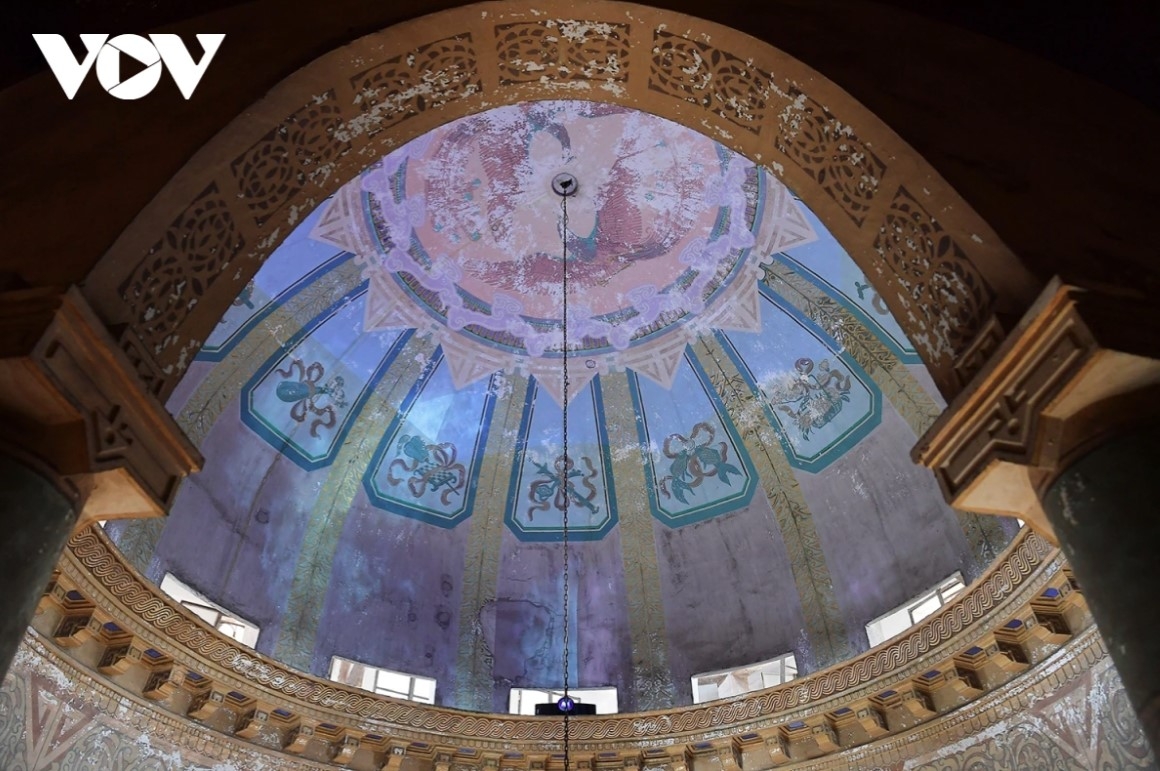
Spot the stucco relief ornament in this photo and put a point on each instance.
(459, 236)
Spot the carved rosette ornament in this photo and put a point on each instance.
(73, 396)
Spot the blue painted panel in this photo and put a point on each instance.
(541, 479)
(696, 466)
(294, 265)
(304, 399)
(827, 265)
(818, 398)
(427, 465)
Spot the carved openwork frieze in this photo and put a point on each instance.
(293, 157)
(177, 270)
(74, 397)
(716, 80)
(944, 292)
(405, 85)
(831, 154)
(562, 50)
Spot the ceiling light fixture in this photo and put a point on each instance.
(565, 185)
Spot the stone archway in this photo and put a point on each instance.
(942, 271)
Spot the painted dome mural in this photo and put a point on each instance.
(381, 414)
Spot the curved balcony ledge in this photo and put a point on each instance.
(101, 613)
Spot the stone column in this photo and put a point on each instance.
(36, 518)
(81, 439)
(1059, 428)
(1104, 508)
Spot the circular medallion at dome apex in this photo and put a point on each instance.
(373, 464)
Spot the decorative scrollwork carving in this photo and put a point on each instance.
(164, 288)
(290, 158)
(562, 50)
(711, 78)
(831, 153)
(406, 85)
(941, 286)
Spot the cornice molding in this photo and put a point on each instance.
(1071, 661)
(866, 686)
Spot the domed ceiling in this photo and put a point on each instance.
(381, 415)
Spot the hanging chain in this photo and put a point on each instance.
(564, 482)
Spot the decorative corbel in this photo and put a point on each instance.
(1080, 366)
(70, 397)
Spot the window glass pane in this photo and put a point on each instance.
(424, 689)
(392, 694)
(924, 608)
(753, 677)
(214, 615)
(770, 674)
(393, 681)
(204, 612)
(895, 623)
(605, 700)
(899, 620)
(705, 691)
(382, 681)
(366, 677)
(950, 589)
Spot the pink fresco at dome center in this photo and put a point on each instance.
(459, 233)
(645, 193)
(468, 224)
